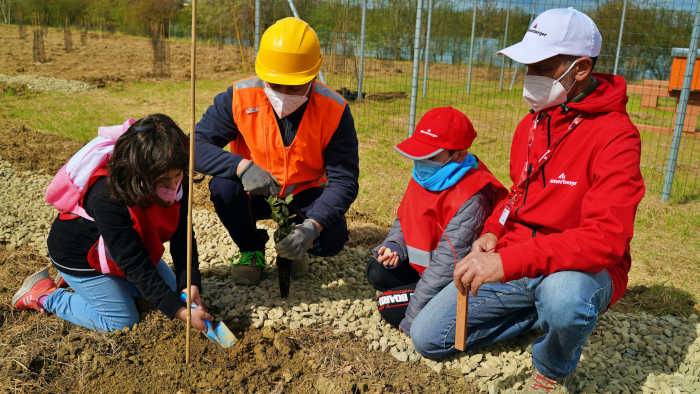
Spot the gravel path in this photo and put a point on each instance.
(45, 84)
(626, 353)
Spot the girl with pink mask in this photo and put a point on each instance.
(120, 198)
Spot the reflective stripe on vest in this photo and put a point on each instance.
(419, 257)
(300, 165)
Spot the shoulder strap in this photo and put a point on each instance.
(66, 190)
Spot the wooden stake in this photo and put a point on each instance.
(193, 69)
(462, 321)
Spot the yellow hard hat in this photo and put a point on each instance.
(289, 53)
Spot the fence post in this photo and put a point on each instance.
(515, 69)
(257, 26)
(619, 35)
(361, 66)
(471, 48)
(681, 108)
(426, 52)
(505, 43)
(296, 15)
(416, 59)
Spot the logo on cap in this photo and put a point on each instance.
(534, 30)
(428, 132)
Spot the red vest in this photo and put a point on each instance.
(300, 165)
(155, 225)
(424, 214)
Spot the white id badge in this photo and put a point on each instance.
(504, 216)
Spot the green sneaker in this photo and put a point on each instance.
(247, 269)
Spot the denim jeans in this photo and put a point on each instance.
(564, 306)
(103, 302)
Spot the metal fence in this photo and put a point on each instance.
(396, 59)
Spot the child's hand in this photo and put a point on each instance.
(196, 297)
(387, 257)
(199, 315)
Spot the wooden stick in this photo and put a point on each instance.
(193, 69)
(461, 329)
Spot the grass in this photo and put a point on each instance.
(665, 275)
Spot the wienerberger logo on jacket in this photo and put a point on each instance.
(561, 180)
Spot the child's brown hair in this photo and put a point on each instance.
(144, 154)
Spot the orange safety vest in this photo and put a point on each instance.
(301, 165)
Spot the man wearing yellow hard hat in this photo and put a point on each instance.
(288, 134)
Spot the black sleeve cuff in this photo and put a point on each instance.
(170, 304)
(196, 280)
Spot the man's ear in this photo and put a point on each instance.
(584, 68)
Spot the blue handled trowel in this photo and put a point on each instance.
(217, 331)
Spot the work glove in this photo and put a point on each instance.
(301, 239)
(259, 182)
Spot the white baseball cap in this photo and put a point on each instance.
(559, 31)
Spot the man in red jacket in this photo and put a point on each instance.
(555, 253)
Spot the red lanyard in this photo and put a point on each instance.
(528, 172)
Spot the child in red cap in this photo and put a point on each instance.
(443, 210)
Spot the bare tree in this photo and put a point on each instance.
(38, 48)
(6, 11)
(156, 16)
(67, 37)
(84, 34)
(159, 44)
(22, 30)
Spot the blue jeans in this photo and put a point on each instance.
(103, 302)
(565, 306)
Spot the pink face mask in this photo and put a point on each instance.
(168, 195)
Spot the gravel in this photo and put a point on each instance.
(45, 84)
(626, 353)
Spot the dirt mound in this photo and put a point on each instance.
(30, 150)
(43, 353)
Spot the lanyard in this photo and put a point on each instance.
(528, 172)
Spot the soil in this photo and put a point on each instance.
(43, 353)
(95, 62)
(30, 150)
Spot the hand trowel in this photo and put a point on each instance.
(217, 331)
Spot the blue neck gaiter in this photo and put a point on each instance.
(437, 177)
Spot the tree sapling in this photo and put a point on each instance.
(285, 225)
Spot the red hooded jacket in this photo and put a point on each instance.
(577, 212)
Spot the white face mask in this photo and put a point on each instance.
(544, 92)
(285, 104)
